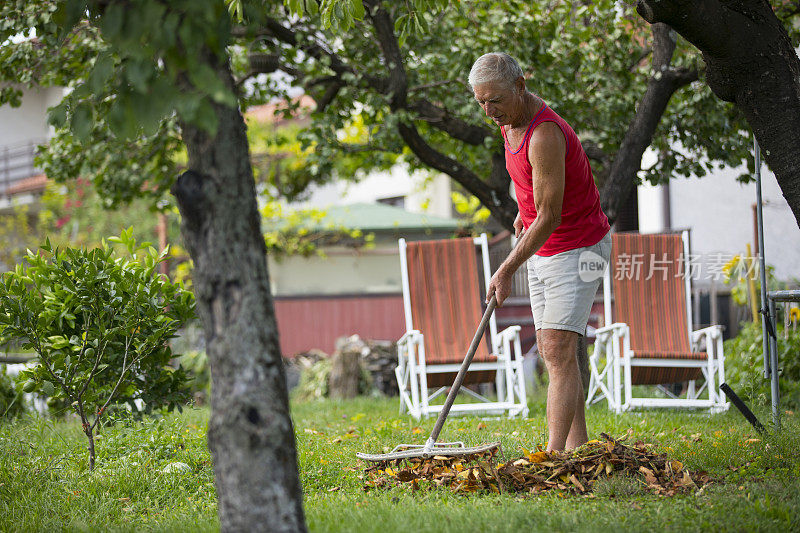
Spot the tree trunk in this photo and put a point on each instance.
(750, 62)
(90, 436)
(345, 374)
(662, 84)
(250, 434)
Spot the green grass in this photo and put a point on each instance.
(45, 485)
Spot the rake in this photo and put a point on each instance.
(446, 449)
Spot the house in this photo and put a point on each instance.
(22, 129)
(351, 289)
(720, 214)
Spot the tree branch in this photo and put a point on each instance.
(760, 76)
(712, 25)
(261, 63)
(442, 120)
(50, 370)
(384, 30)
(662, 84)
(498, 202)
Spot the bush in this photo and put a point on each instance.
(195, 363)
(100, 324)
(12, 403)
(314, 381)
(744, 366)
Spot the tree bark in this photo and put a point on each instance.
(750, 61)
(250, 434)
(345, 374)
(663, 83)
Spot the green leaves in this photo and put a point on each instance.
(204, 78)
(96, 318)
(68, 13)
(82, 121)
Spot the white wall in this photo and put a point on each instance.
(29, 121)
(718, 210)
(423, 194)
(343, 271)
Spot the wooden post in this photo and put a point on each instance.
(345, 374)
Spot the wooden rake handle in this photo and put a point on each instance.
(451, 396)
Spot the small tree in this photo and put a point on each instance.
(100, 324)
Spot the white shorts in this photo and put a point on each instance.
(563, 286)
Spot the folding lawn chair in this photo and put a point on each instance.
(649, 341)
(443, 306)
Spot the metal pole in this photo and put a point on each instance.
(773, 363)
(762, 267)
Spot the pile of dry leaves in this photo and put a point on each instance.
(574, 472)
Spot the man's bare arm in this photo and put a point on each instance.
(546, 152)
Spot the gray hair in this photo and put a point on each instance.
(494, 67)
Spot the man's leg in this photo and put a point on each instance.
(577, 432)
(566, 424)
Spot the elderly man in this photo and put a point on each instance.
(560, 225)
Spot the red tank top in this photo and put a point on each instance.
(583, 223)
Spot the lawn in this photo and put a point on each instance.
(45, 485)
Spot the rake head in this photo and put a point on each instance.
(442, 449)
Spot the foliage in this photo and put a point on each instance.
(100, 325)
(302, 231)
(17, 232)
(744, 365)
(595, 56)
(195, 363)
(314, 381)
(135, 70)
(470, 207)
(118, 124)
(12, 403)
(739, 270)
(75, 214)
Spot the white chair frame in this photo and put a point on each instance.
(613, 343)
(412, 369)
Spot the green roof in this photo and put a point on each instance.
(380, 217)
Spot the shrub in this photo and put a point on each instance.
(314, 381)
(744, 366)
(12, 403)
(195, 362)
(99, 323)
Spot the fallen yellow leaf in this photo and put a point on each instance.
(538, 457)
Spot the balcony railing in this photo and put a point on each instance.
(17, 163)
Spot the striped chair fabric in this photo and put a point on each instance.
(650, 296)
(446, 305)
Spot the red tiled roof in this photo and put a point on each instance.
(267, 112)
(32, 184)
